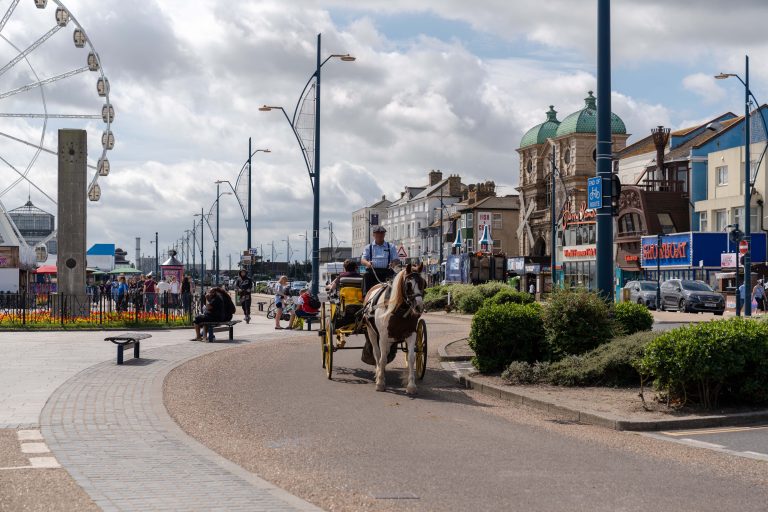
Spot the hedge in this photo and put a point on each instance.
(504, 333)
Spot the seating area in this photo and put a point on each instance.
(212, 327)
(127, 340)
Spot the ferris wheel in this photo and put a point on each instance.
(48, 80)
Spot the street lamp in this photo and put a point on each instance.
(747, 180)
(313, 168)
(249, 223)
(218, 196)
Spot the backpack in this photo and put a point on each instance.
(314, 302)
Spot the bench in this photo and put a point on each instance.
(261, 304)
(128, 340)
(211, 327)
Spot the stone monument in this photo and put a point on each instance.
(72, 212)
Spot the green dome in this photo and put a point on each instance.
(585, 120)
(539, 133)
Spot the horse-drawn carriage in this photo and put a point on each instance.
(347, 314)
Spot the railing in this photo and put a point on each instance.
(96, 309)
(662, 185)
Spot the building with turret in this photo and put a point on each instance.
(568, 147)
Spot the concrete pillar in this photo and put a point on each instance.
(71, 260)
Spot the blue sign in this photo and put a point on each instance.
(594, 193)
(674, 251)
(696, 249)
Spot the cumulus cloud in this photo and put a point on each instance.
(704, 86)
(188, 76)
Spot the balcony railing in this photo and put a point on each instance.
(663, 186)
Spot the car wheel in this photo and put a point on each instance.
(661, 305)
(681, 306)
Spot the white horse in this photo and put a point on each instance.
(391, 315)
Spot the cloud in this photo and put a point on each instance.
(705, 87)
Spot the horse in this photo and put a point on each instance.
(391, 315)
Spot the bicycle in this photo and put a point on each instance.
(288, 306)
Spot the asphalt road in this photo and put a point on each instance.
(341, 445)
(744, 441)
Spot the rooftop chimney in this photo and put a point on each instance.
(435, 177)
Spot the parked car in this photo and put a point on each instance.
(642, 292)
(297, 286)
(691, 297)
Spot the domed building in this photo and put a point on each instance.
(572, 144)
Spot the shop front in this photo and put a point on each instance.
(579, 248)
(696, 255)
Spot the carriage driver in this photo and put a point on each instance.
(377, 257)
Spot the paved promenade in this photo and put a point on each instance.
(107, 425)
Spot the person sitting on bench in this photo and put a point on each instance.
(214, 312)
(304, 307)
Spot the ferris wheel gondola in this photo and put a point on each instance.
(14, 132)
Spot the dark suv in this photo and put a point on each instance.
(642, 292)
(691, 297)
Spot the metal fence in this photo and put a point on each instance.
(21, 309)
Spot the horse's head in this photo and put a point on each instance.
(414, 287)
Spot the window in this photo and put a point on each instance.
(703, 221)
(721, 175)
(665, 221)
(737, 217)
(720, 220)
(754, 220)
(470, 244)
(470, 220)
(567, 156)
(496, 221)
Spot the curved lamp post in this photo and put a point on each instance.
(314, 168)
(747, 182)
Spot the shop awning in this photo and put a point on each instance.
(46, 269)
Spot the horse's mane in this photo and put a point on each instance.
(397, 297)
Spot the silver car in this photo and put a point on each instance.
(642, 292)
(691, 297)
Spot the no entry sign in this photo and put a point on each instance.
(743, 247)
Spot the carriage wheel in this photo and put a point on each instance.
(421, 349)
(328, 345)
(323, 330)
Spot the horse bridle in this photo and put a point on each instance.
(410, 298)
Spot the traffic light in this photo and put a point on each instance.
(615, 193)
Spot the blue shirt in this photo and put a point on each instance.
(380, 256)
(741, 291)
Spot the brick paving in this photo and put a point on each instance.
(108, 427)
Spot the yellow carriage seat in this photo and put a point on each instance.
(350, 291)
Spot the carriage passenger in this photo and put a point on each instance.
(350, 270)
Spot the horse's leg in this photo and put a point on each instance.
(381, 363)
(373, 336)
(411, 387)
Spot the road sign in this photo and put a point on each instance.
(253, 251)
(245, 259)
(401, 253)
(594, 193)
(743, 247)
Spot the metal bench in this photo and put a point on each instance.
(211, 327)
(128, 340)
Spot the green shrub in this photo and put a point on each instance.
(610, 364)
(504, 333)
(704, 362)
(576, 321)
(505, 296)
(631, 318)
(470, 302)
(435, 303)
(491, 288)
(520, 372)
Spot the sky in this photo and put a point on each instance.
(437, 84)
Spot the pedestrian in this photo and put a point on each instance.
(532, 289)
(758, 293)
(281, 293)
(174, 289)
(243, 288)
(377, 258)
(149, 293)
(122, 294)
(305, 307)
(164, 292)
(186, 294)
(740, 303)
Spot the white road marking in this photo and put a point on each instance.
(715, 430)
(29, 435)
(702, 444)
(34, 448)
(44, 462)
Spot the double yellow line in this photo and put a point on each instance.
(723, 430)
